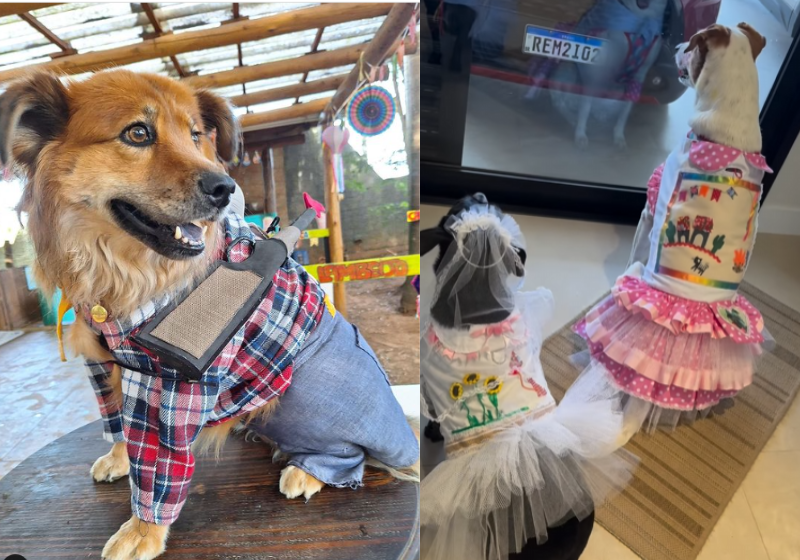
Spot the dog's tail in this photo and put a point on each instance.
(410, 474)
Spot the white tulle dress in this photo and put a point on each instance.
(517, 463)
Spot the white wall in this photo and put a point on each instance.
(781, 211)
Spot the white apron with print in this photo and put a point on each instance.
(704, 225)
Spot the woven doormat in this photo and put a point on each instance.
(687, 477)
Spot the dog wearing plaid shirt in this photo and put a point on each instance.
(127, 204)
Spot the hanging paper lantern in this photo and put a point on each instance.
(246, 160)
(236, 159)
(336, 137)
(257, 158)
(371, 111)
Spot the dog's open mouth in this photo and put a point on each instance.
(173, 241)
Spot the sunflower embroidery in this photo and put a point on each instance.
(471, 378)
(456, 390)
(492, 385)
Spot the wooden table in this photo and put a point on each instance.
(50, 508)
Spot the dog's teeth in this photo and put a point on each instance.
(205, 229)
(178, 233)
(185, 240)
(197, 223)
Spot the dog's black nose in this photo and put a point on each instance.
(218, 187)
(480, 197)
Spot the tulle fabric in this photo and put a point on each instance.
(488, 500)
(681, 315)
(651, 408)
(690, 361)
(483, 263)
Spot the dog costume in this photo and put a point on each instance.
(516, 462)
(294, 338)
(674, 333)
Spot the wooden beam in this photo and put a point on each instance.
(66, 48)
(309, 110)
(12, 9)
(334, 222)
(314, 47)
(272, 134)
(379, 48)
(318, 61)
(287, 92)
(151, 15)
(277, 142)
(237, 32)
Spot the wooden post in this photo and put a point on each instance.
(277, 176)
(334, 220)
(270, 205)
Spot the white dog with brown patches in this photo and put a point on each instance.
(675, 336)
(718, 63)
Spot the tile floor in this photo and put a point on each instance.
(506, 132)
(579, 261)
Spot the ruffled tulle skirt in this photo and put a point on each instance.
(675, 360)
(489, 499)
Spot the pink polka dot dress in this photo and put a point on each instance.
(674, 333)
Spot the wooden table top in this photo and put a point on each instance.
(50, 508)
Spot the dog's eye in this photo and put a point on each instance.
(195, 136)
(137, 135)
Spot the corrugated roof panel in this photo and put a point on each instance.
(81, 15)
(324, 73)
(260, 85)
(312, 96)
(108, 40)
(271, 106)
(256, 10)
(21, 58)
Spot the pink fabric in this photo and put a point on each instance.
(653, 186)
(666, 396)
(681, 315)
(710, 156)
(689, 361)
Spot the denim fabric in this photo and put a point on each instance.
(340, 409)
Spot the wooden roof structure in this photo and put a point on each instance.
(279, 63)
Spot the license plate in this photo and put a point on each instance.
(562, 45)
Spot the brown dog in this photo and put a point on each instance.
(109, 162)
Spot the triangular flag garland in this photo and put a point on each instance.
(246, 160)
(703, 191)
(257, 158)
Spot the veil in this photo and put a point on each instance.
(481, 271)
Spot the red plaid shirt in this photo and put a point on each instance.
(161, 415)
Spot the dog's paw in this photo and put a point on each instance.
(581, 141)
(136, 540)
(111, 466)
(296, 482)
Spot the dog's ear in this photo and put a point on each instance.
(430, 239)
(714, 35)
(757, 40)
(218, 114)
(33, 112)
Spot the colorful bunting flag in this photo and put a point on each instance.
(694, 191)
(682, 196)
(704, 190)
(715, 195)
(731, 192)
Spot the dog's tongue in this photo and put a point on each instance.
(192, 231)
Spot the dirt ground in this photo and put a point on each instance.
(373, 306)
